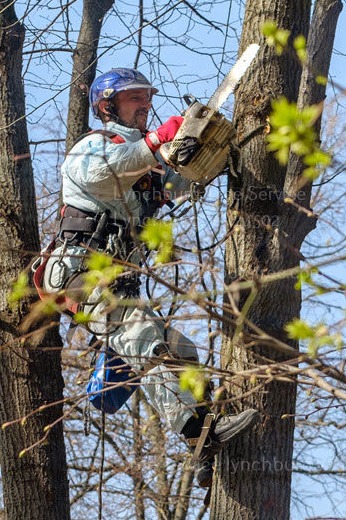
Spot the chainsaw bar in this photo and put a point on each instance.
(233, 77)
(200, 149)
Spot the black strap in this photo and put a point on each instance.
(84, 225)
(76, 222)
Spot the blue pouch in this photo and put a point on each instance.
(110, 370)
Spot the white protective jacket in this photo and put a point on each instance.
(96, 177)
(99, 174)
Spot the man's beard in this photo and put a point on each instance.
(139, 119)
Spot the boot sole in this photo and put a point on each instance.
(249, 421)
(216, 445)
(206, 482)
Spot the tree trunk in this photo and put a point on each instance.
(35, 485)
(253, 478)
(185, 488)
(84, 68)
(163, 489)
(137, 470)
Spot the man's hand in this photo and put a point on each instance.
(164, 134)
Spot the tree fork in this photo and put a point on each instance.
(253, 478)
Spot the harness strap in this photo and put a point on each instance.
(200, 441)
(38, 267)
(78, 225)
(74, 224)
(87, 225)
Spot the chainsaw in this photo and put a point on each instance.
(201, 147)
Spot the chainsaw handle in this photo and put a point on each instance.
(189, 100)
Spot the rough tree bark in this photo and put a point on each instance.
(137, 474)
(84, 67)
(253, 478)
(182, 495)
(35, 485)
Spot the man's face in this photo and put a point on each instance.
(132, 107)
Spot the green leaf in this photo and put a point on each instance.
(321, 80)
(81, 318)
(159, 235)
(292, 130)
(105, 277)
(275, 37)
(102, 271)
(49, 306)
(20, 289)
(299, 44)
(269, 28)
(311, 173)
(305, 277)
(318, 158)
(299, 329)
(316, 336)
(339, 342)
(195, 380)
(312, 349)
(98, 261)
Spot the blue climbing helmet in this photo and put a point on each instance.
(110, 83)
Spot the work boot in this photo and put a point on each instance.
(222, 430)
(204, 472)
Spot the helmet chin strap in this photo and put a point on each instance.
(112, 114)
(116, 119)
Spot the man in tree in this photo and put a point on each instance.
(109, 190)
